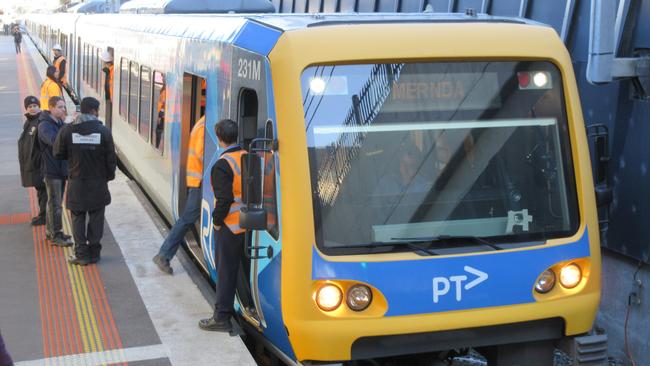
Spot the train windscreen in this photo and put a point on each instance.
(408, 153)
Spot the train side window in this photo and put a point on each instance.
(269, 190)
(158, 111)
(145, 102)
(98, 74)
(85, 62)
(134, 82)
(93, 67)
(124, 86)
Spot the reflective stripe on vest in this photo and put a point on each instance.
(57, 64)
(232, 220)
(195, 154)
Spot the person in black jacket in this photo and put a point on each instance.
(226, 184)
(18, 38)
(88, 146)
(54, 170)
(29, 157)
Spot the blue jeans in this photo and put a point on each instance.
(188, 218)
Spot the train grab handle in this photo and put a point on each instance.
(252, 215)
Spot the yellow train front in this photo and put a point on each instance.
(435, 189)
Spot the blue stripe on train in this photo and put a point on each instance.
(454, 283)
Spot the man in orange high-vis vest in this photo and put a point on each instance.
(61, 65)
(50, 87)
(229, 237)
(192, 209)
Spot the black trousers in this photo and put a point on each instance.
(87, 230)
(228, 252)
(41, 193)
(17, 47)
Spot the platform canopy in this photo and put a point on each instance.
(197, 6)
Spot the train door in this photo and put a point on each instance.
(193, 108)
(249, 85)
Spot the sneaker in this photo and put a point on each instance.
(79, 261)
(38, 220)
(214, 325)
(60, 241)
(49, 236)
(67, 238)
(163, 264)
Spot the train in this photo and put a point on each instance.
(416, 184)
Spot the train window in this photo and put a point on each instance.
(134, 81)
(158, 104)
(98, 62)
(145, 102)
(85, 62)
(270, 198)
(124, 86)
(93, 67)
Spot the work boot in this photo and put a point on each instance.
(38, 220)
(214, 325)
(163, 264)
(59, 240)
(79, 261)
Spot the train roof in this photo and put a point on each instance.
(205, 25)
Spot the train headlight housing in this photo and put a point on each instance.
(359, 297)
(329, 297)
(570, 275)
(545, 282)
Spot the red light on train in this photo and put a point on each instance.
(524, 79)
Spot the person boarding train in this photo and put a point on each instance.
(88, 146)
(192, 209)
(226, 184)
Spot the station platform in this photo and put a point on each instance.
(120, 311)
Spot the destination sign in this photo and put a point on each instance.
(443, 92)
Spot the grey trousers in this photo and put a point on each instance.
(53, 219)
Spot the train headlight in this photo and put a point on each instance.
(359, 297)
(545, 282)
(329, 297)
(570, 275)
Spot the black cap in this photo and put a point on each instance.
(31, 100)
(88, 104)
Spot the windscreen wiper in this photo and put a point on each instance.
(440, 239)
(415, 245)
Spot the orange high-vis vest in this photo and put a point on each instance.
(57, 64)
(110, 82)
(232, 220)
(195, 154)
(49, 89)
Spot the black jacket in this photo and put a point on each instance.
(18, 37)
(90, 151)
(47, 131)
(29, 153)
